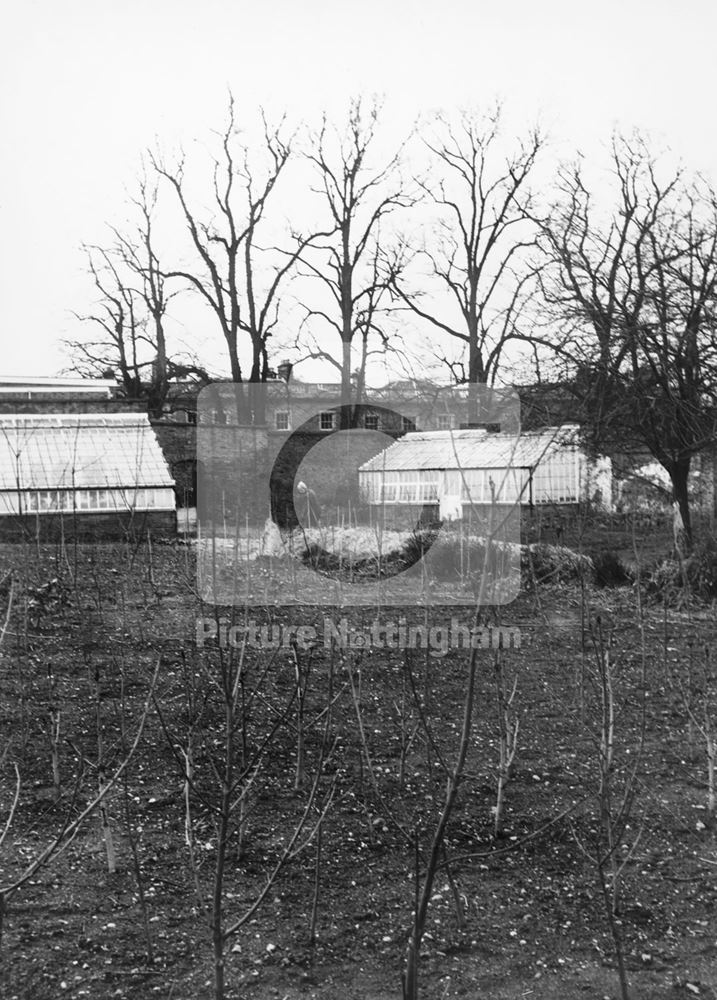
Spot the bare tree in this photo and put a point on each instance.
(137, 252)
(121, 346)
(611, 841)
(424, 888)
(476, 254)
(508, 729)
(633, 294)
(230, 277)
(353, 261)
(131, 311)
(222, 765)
(73, 815)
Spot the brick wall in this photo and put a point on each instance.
(179, 446)
(177, 441)
(400, 517)
(104, 526)
(476, 519)
(240, 467)
(327, 463)
(232, 472)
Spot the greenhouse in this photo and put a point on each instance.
(91, 470)
(456, 471)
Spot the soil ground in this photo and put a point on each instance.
(517, 915)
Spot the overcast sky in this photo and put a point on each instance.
(88, 84)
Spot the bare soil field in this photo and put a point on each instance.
(339, 756)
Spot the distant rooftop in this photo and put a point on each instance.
(41, 385)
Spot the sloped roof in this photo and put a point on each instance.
(76, 386)
(469, 449)
(80, 451)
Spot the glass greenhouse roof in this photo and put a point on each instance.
(80, 451)
(470, 449)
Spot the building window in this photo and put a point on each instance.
(444, 421)
(93, 500)
(179, 414)
(281, 420)
(370, 421)
(499, 485)
(408, 424)
(411, 486)
(326, 420)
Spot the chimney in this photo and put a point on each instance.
(284, 370)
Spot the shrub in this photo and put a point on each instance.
(417, 545)
(610, 571)
(701, 569)
(555, 563)
(663, 581)
(666, 580)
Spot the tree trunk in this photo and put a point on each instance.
(679, 474)
(473, 372)
(258, 380)
(477, 376)
(158, 391)
(223, 822)
(615, 933)
(346, 420)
